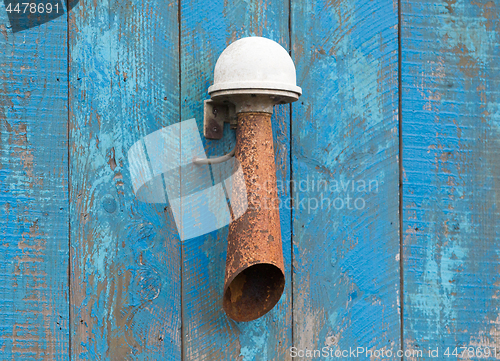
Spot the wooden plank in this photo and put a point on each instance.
(125, 255)
(34, 291)
(207, 28)
(451, 138)
(345, 133)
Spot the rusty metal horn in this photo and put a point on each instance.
(255, 274)
(252, 75)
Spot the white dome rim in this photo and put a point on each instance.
(253, 85)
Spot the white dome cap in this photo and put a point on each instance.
(255, 63)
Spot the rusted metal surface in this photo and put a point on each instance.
(254, 278)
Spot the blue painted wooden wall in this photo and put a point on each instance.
(399, 96)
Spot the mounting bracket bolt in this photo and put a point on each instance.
(215, 115)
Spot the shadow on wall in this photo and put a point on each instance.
(26, 14)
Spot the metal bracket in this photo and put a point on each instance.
(215, 115)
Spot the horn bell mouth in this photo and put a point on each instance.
(253, 292)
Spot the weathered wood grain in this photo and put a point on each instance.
(125, 254)
(34, 295)
(345, 129)
(451, 138)
(206, 29)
